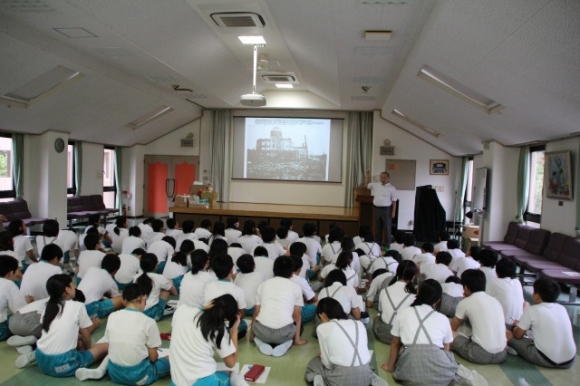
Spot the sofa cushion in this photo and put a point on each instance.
(523, 236)
(566, 276)
(555, 246)
(537, 242)
(570, 255)
(512, 232)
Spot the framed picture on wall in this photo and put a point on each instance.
(439, 167)
(558, 172)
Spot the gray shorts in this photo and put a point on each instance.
(339, 375)
(382, 330)
(274, 335)
(474, 353)
(527, 349)
(27, 324)
(449, 305)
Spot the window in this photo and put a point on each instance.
(6, 182)
(71, 183)
(469, 188)
(536, 184)
(109, 185)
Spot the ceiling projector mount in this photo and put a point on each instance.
(254, 99)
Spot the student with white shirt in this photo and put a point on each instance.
(163, 249)
(22, 245)
(487, 343)
(390, 261)
(129, 268)
(440, 270)
(310, 299)
(441, 246)
(119, 233)
(385, 203)
(50, 230)
(426, 256)
(274, 249)
(335, 287)
(343, 263)
(344, 355)
(249, 238)
(456, 253)
(157, 287)
(264, 264)
(426, 336)
(91, 257)
(177, 266)
(218, 247)
(248, 280)
(332, 247)
(194, 282)
(7, 248)
(235, 250)
(488, 259)
(202, 231)
(398, 295)
(187, 234)
(362, 231)
(367, 244)
(95, 221)
(158, 231)
(36, 276)
(313, 247)
(282, 237)
(173, 229)
(409, 249)
(461, 264)
(277, 317)
(132, 241)
(10, 297)
(552, 344)
(197, 333)
(98, 283)
(299, 249)
(232, 232)
(64, 321)
(377, 279)
(219, 232)
(452, 295)
(398, 244)
(288, 223)
(146, 229)
(507, 289)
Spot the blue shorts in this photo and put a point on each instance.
(121, 286)
(219, 378)
(243, 326)
(250, 311)
(156, 312)
(100, 309)
(144, 373)
(63, 365)
(308, 313)
(4, 330)
(78, 280)
(177, 282)
(160, 267)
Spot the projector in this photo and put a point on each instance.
(255, 100)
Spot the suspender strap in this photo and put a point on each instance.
(328, 295)
(422, 326)
(353, 275)
(396, 308)
(354, 344)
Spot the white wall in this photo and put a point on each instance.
(170, 143)
(132, 176)
(92, 169)
(557, 218)
(409, 147)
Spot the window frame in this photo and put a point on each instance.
(72, 190)
(530, 216)
(9, 193)
(110, 188)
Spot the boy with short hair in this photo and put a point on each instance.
(507, 290)
(277, 319)
(313, 247)
(441, 246)
(99, 282)
(299, 249)
(456, 253)
(409, 249)
(91, 257)
(553, 342)
(488, 259)
(287, 223)
(157, 226)
(172, 228)
(426, 256)
(203, 232)
(487, 343)
(274, 249)
(10, 297)
(232, 232)
(249, 281)
(146, 229)
(310, 299)
(264, 265)
(440, 270)
(163, 249)
(129, 268)
(398, 244)
(37, 274)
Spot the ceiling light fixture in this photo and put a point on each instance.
(378, 35)
(148, 117)
(460, 91)
(284, 85)
(252, 39)
(418, 125)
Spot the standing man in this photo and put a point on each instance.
(385, 203)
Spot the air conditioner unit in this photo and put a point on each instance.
(238, 20)
(279, 78)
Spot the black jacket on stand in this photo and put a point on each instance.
(429, 214)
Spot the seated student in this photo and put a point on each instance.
(95, 222)
(235, 250)
(249, 238)
(196, 334)
(343, 263)
(157, 287)
(264, 264)
(219, 232)
(299, 249)
(277, 319)
(90, 230)
(274, 249)
(99, 282)
(134, 341)
(441, 246)
(310, 300)
(426, 336)
(232, 232)
(335, 287)
(146, 228)
(119, 233)
(456, 253)
(187, 229)
(163, 249)
(344, 357)
(552, 344)
(398, 245)
(313, 247)
(377, 279)
(507, 289)
(59, 353)
(158, 231)
(347, 245)
(50, 230)
(367, 243)
(202, 231)
(10, 297)
(487, 343)
(193, 283)
(36, 276)
(288, 223)
(390, 261)
(452, 295)
(249, 281)
(409, 249)
(488, 259)
(440, 270)
(332, 247)
(426, 256)
(331, 226)
(282, 237)
(461, 264)
(172, 228)
(176, 267)
(7, 249)
(218, 247)
(91, 257)
(398, 295)
(22, 245)
(133, 241)
(130, 267)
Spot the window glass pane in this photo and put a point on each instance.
(109, 199)
(6, 164)
(109, 168)
(536, 182)
(69, 167)
(469, 180)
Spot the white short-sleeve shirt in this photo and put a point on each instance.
(218, 288)
(249, 283)
(249, 242)
(453, 289)
(424, 258)
(437, 325)
(510, 294)
(336, 348)
(130, 243)
(162, 249)
(307, 291)
(330, 250)
(277, 298)
(186, 236)
(155, 236)
(383, 195)
(376, 284)
(345, 295)
(409, 252)
(274, 249)
(159, 282)
(10, 298)
(397, 247)
(385, 262)
(400, 298)
(174, 270)
(370, 248)
(441, 246)
(42, 240)
(64, 329)
(129, 268)
(96, 283)
(193, 287)
(202, 233)
(35, 278)
(461, 264)
(88, 259)
(22, 245)
(265, 266)
(68, 239)
(146, 231)
(313, 248)
(174, 233)
(439, 272)
(232, 235)
(490, 275)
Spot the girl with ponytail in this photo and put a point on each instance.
(176, 267)
(156, 287)
(58, 352)
(120, 232)
(193, 283)
(196, 334)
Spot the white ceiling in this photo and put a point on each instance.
(525, 54)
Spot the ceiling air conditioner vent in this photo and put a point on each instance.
(279, 78)
(238, 20)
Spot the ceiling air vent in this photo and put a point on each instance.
(238, 20)
(279, 78)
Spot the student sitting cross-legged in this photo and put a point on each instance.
(310, 299)
(194, 282)
(553, 342)
(99, 282)
(176, 266)
(157, 287)
(507, 289)
(277, 318)
(35, 278)
(129, 267)
(10, 297)
(248, 280)
(335, 287)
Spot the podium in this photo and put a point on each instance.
(363, 200)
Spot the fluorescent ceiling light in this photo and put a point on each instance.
(148, 117)
(50, 81)
(252, 39)
(284, 85)
(378, 36)
(459, 90)
(418, 125)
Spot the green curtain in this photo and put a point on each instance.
(461, 196)
(523, 182)
(118, 179)
(18, 164)
(221, 150)
(359, 152)
(78, 160)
